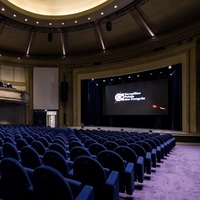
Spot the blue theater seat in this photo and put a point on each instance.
(14, 181)
(30, 157)
(140, 151)
(10, 150)
(113, 161)
(89, 171)
(130, 156)
(49, 183)
(56, 160)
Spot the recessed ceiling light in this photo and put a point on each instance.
(89, 18)
(102, 13)
(14, 15)
(3, 9)
(37, 22)
(50, 23)
(75, 22)
(63, 23)
(26, 20)
(115, 6)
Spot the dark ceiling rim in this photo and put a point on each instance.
(10, 22)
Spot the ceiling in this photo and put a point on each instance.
(88, 26)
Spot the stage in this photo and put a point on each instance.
(181, 137)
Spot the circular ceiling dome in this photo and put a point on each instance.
(56, 8)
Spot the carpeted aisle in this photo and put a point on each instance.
(177, 178)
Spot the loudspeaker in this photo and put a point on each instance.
(64, 91)
(50, 37)
(108, 26)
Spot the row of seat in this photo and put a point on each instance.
(90, 148)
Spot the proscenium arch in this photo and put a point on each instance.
(110, 70)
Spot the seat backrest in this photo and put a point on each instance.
(96, 148)
(56, 160)
(15, 181)
(29, 139)
(147, 147)
(39, 147)
(111, 160)
(89, 171)
(30, 157)
(152, 143)
(44, 141)
(110, 145)
(88, 142)
(126, 153)
(102, 140)
(59, 148)
(74, 144)
(78, 151)
(59, 141)
(9, 139)
(10, 150)
(20, 143)
(121, 142)
(138, 149)
(49, 183)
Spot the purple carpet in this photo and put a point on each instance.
(177, 178)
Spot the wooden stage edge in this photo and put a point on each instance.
(181, 137)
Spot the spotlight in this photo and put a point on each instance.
(50, 37)
(109, 26)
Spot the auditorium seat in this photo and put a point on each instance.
(78, 151)
(49, 183)
(110, 145)
(30, 157)
(29, 139)
(130, 156)
(10, 150)
(56, 160)
(39, 147)
(58, 147)
(113, 161)
(74, 144)
(89, 171)
(96, 148)
(88, 142)
(20, 143)
(149, 149)
(140, 151)
(14, 182)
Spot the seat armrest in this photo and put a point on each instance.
(87, 193)
(112, 186)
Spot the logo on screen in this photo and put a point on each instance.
(133, 96)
